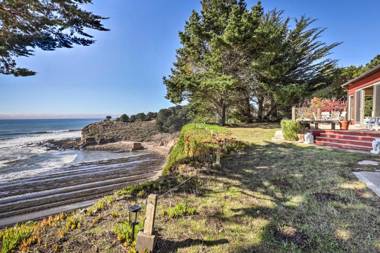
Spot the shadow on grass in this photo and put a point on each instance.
(166, 246)
(309, 206)
(266, 125)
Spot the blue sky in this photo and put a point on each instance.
(122, 72)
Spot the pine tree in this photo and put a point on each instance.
(210, 62)
(45, 24)
(233, 58)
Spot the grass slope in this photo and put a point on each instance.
(276, 198)
(194, 143)
(266, 198)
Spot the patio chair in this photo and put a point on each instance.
(372, 123)
(343, 115)
(325, 115)
(376, 124)
(369, 122)
(335, 115)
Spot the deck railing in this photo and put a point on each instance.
(312, 114)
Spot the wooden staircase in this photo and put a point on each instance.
(346, 139)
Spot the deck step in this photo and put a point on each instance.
(345, 141)
(355, 140)
(342, 145)
(367, 133)
(347, 137)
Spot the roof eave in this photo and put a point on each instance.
(367, 73)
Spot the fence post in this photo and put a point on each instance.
(293, 113)
(146, 240)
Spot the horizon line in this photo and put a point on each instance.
(10, 116)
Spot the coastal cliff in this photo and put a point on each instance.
(108, 131)
(110, 135)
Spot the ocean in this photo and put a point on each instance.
(31, 127)
(21, 154)
(36, 182)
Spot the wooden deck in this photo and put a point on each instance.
(346, 139)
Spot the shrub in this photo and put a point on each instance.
(115, 214)
(140, 116)
(198, 143)
(100, 205)
(136, 189)
(328, 105)
(72, 222)
(161, 185)
(123, 232)
(172, 119)
(151, 115)
(12, 237)
(290, 129)
(132, 118)
(179, 210)
(124, 118)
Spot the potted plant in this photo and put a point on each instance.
(344, 122)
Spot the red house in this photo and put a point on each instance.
(363, 103)
(364, 96)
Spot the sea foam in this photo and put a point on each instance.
(24, 157)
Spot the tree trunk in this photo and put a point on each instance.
(271, 112)
(222, 119)
(222, 112)
(260, 109)
(246, 111)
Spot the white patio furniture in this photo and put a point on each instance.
(372, 123)
(343, 115)
(325, 115)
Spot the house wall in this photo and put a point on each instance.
(367, 81)
(358, 85)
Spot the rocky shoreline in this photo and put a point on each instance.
(117, 137)
(64, 144)
(142, 151)
(161, 145)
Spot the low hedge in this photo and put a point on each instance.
(290, 129)
(198, 143)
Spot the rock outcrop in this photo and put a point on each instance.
(108, 131)
(120, 146)
(61, 144)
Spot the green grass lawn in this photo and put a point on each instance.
(276, 198)
(271, 197)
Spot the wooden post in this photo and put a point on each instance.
(150, 214)
(318, 113)
(293, 113)
(146, 240)
(216, 164)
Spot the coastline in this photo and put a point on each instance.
(127, 154)
(162, 148)
(158, 143)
